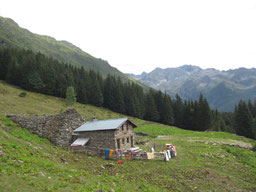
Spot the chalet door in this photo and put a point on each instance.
(131, 141)
(118, 143)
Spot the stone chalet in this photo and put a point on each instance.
(107, 134)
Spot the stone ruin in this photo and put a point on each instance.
(56, 128)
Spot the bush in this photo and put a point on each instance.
(70, 96)
(23, 94)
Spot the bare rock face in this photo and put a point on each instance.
(56, 128)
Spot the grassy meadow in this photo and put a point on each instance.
(206, 161)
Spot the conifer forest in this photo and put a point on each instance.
(38, 73)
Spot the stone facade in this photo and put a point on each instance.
(100, 139)
(125, 135)
(110, 138)
(56, 128)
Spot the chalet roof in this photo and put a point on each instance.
(100, 125)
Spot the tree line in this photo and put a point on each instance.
(244, 119)
(38, 73)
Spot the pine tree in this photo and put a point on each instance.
(166, 112)
(253, 129)
(81, 86)
(108, 92)
(94, 93)
(96, 96)
(254, 109)
(118, 96)
(35, 82)
(151, 112)
(188, 115)
(204, 114)
(4, 61)
(178, 111)
(243, 120)
(250, 107)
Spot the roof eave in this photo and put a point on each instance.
(95, 130)
(132, 123)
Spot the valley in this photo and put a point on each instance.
(30, 163)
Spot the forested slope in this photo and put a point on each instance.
(13, 36)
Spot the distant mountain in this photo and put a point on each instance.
(223, 89)
(11, 35)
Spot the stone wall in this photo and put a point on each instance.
(34, 124)
(57, 128)
(100, 139)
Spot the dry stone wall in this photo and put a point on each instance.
(57, 128)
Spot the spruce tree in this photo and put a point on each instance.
(187, 115)
(97, 97)
(118, 96)
(178, 111)
(81, 86)
(4, 57)
(166, 112)
(254, 129)
(250, 107)
(35, 82)
(204, 114)
(108, 92)
(151, 112)
(243, 120)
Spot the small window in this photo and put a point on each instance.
(122, 127)
(127, 140)
(123, 140)
(127, 127)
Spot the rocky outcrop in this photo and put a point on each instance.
(57, 128)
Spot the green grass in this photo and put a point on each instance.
(31, 163)
(38, 104)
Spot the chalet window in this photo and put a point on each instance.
(127, 127)
(123, 141)
(118, 143)
(127, 140)
(122, 127)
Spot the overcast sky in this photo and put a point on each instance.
(140, 35)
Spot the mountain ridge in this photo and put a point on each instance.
(14, 36)
(223, 89)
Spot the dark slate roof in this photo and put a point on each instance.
(110, 124)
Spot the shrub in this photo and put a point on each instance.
(23, 94)
(70, 96)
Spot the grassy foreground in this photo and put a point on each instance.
(205, 161)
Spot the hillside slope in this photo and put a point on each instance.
(206, 161)
(223, 89)
(11, 35)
